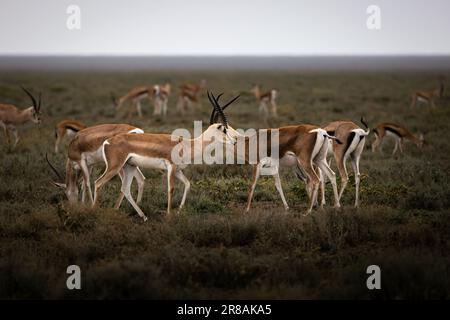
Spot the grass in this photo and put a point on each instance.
(213, 249)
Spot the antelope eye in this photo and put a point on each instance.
(224, 130)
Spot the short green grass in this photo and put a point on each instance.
(213, 249)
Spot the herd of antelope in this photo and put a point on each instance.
(124, 150)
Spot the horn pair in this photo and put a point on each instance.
(36, 106)
(218, 110)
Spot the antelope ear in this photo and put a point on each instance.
(59, 185)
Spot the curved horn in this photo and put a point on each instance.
(226, 105)
(33, 100)
(364, 123)
(54, 169)
(213, 112)
(220, 112)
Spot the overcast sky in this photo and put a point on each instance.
(224, 27)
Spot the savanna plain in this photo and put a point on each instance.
(212, 249)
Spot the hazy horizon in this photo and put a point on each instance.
(213, 27)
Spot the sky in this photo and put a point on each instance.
(224, 27)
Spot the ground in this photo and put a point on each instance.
(212, 249)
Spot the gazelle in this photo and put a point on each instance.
(353, 138)
(84, 152)
(193, 87)
(154, 151)
(264, 99)
(11, 117)
(300, 147)
(189, 95)
(160, 99)
(429, 97)
(135, 95)
(66, 128)
(398, 132)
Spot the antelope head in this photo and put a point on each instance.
(69, 185)
(35, 110)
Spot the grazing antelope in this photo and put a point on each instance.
(264, 99)
(301, 147)
(11, 117)
(188, 95)
(193, 88)
(135, 95)
(66, 128)
(353, 138)
(398, 132)
(429, 97)
(84, 152)
(154, 151)
(160, 95)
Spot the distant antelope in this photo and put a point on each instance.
(135, 95)
(429, 97)
(66, 128)
(84, 152)
(264, 99)
(398, 132)
(353, 140)
(188, 95)
(160, 99)
(154, 151)
(301, 147)
(11, 116)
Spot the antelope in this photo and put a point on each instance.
(301, 147)
(160, 99)
(398, 132)
(11, 117)
(428, 97)
(84, 152)
(135, 95)
(353, 138)
(154, 151)
(189, 95)
(193, 88)
(264, 99)
(66, 128)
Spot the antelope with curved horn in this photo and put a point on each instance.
(398, 132)
(264, 99)
(155, 151)
(84, 152)
(428, 97)
(353, 138)
(66, 128)
(301, 147)
(11, 117)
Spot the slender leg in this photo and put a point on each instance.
(322, 188)
(376, 143)
(121, 194)
(256, 173)
(400, 145)
(312, 184)
(276, 176)
(326, 172)
(165, 107)
(396, 145)
(171, 169)
(129, 172)
(356, 156)
(15, 134)
(6, 132)
(58, 141)
(86, 179)
(139, 108)
(187, 185)
(274, 108)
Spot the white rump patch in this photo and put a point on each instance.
(137, 130)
